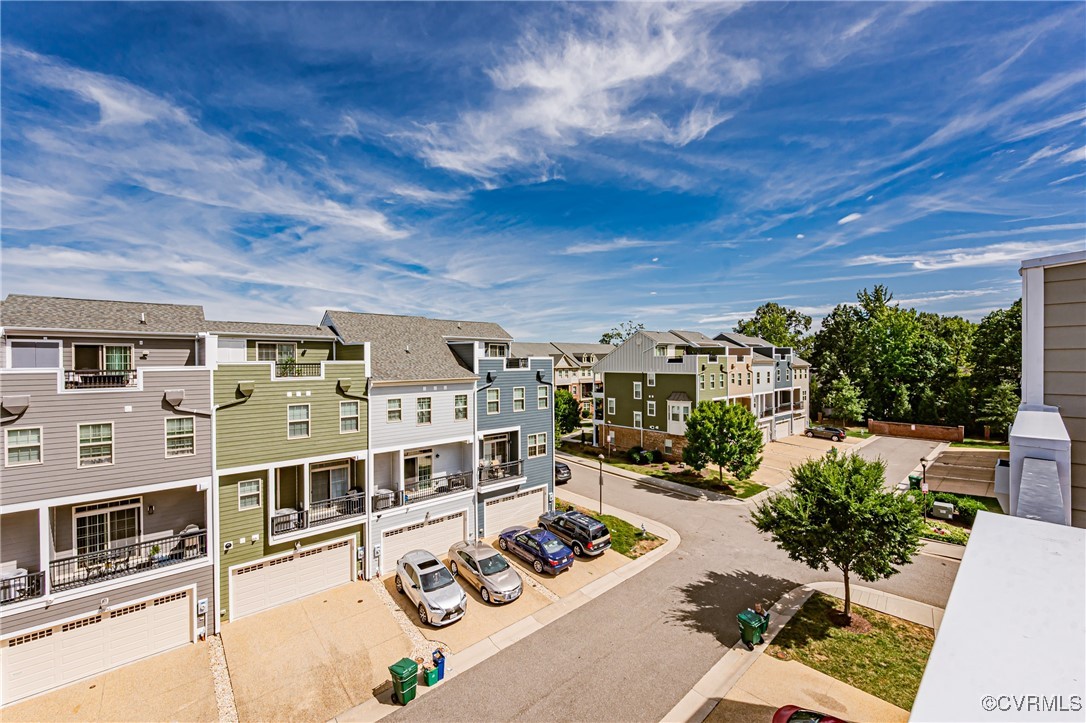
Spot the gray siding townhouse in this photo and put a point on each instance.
(785, 411)
(105, 499)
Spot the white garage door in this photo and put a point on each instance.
(784, 429)
(268, 583)
(523, 508)
(436, 536)
(766, 437)
(49, 658)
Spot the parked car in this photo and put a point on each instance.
(795, 714)
(429, 584)
(834, 433)
(487, 570)
(561, 473)
(541, 548)
(585, 535)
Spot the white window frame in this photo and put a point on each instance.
(539, 444)
(637, 421)
(610, 405)
(40, 445)
(13, 342)
(259, 494)
(651, 411)
(398, 410)
(112, 446)
(79, 511)
(701, 382)
(308, 421)
(637, 390)
(166, 437)
(495, 350)
(778, 374)
(542, 397)
(523, 399)
(497, 400)
(457, 407)
(419, 411)
(651, 379)
(357, 417)
(276, 344)
(712, 381)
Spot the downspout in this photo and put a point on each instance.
(550, 491)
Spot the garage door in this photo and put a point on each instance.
(268, 583)
(523, 508)
(49, 658)
(766, 436)
(784, 429)
(437, 536)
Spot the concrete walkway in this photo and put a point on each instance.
(663, 484)
(381, 705)
(699, 703)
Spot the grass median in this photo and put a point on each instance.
(625, 538)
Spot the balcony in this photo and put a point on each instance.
(597, 390)
(99, 378)
(490, 473)
(297, 370)
(93, 567)
(421, 489)
(786, 407)
(20, 585)
(323, 512)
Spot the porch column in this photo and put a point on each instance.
(399, 469)
(273, 495)
(305, 486)
(44, 533)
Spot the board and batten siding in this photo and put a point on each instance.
(139, 429)
(1065, 367)
(255, 431)
(407, 432)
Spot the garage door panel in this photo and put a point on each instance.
(270, 583)
(522, 508)
(784, 429)
(129, 629)
(435, 536)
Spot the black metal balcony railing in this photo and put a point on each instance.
(494, 472)
(289, 369)
(322, 512)
(420, 489)
(117, 562)
(22, 587)
(99, 378)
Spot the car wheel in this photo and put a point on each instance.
(810, 434)
(455, 569)
(399, 585)
(484, 594)
(538, 566)
(502, 543)
(422, 614)
(577, 549)
(835, 438)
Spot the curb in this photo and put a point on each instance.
(381, 705)
(666, 485)
(696, 705)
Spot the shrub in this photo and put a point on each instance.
(666, 466)
(968, 509)
(651, 456)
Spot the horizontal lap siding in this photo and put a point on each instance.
(138, 435)
(315, 351)
(407, 432)
(160, 352)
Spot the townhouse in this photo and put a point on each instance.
(650, 384)
(106, 497)
(572, 366)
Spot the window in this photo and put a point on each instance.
(496, 350)
(107, 525)
(460, 407)
(759, 377)
(542, 398)
(701, 382)
(661, 350)
(35, 354)
(778, 374)
(537, 444)
(493, 401)
(348, 417)
(275, 352)
(712, 381)
(23, 446)
(804, 397)
(518, 399)
(248, 494)
(675, 412)
(297, 421)
(394, 410)
(422, 410)
(637, 420)
(95, 444)
(748, 378)
(328, 481)
(652, 379)
(109, 358)
(637, 390)
(652, 408)
(667, 446)
(610, 405)
(180, 436)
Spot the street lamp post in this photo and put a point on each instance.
(924, 484)
(601, 484)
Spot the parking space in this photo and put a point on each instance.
(780, 456)
(583, 571)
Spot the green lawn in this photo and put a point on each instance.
(952, 534)
(981, 444)
(887, 662)
(859, 432)
(625, 538)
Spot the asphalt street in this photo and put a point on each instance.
(632, 653)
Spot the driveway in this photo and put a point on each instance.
(648, 640)
(313, 658)
(780, 456)
(901, 456)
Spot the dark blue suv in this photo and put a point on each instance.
(541, 548)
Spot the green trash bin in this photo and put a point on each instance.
(405, 674)
(429, 676)
(750, 628)
(914, 481)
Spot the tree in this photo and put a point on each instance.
(838, 512)
(844, 398)
(1000, 408)
(621, 333)
(777, 324)
(997, 347)
(566, 414)
(726, 435)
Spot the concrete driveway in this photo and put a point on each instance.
(780, 456)
(965, 471)
(313, 658)
(583, 571)
(901, 456)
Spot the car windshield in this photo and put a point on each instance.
(493, 564)
(437, 579)
(552, 546)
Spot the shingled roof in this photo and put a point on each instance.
(258, 328)
(53, 312)
(412, 348)
(743, 339)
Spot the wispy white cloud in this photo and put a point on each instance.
(992, 255)
(618, 244)
(1074, 156)
(1030, 130)
(1026, 230)
(849, 218)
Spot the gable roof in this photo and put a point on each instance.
(258, 328)
(412, 348)
(53, 312)
(573, 348)
(742, 339)
(696, 338)
(762, 359)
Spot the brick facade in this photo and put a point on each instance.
(916, 431)
(627, 438)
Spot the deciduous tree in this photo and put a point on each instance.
(777, 324)
(566, 414)
(621, 333)
(726, 435)
(845, 401)
(1000, 407)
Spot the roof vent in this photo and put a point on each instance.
(143, 318)
(407, 348)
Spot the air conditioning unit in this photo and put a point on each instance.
(942, 510)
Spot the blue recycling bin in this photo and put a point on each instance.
(439, 664)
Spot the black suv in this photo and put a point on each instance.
(585, 535)
(561, 473)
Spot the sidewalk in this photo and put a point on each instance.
(715, 685)
(663, 484)
(381, 705)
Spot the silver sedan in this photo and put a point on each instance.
(485, 569)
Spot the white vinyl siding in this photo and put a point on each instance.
(23, 446)
(348, 417)
(537, 444)
(95, 444)
(249, 494)
(297, 421)
(180, 436)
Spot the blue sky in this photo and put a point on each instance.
(555, 168)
